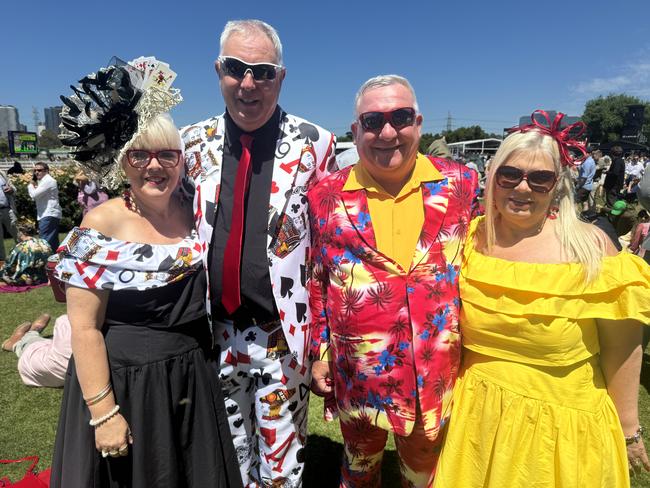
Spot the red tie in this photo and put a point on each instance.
(230, 296)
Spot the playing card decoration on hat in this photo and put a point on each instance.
(110, 108)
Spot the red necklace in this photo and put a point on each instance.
(128, 200)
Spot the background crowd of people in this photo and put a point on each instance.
(463, 306)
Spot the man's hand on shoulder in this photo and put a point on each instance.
(321, 378)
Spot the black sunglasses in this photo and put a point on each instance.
(140, 158)
(540, 181)
(235, 67)
(398, 118)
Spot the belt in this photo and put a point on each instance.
(245, 317)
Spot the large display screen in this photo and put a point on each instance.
(22, 143)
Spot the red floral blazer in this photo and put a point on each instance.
(391, 334)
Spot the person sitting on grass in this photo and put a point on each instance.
(26, 263)
(41, 361)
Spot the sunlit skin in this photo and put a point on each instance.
(520, 206)
(154, 182)
(250, 103)
(389, 154)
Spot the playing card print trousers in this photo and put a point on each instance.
(266, 394)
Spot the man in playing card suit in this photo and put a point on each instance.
(250, 168)
(387, 236)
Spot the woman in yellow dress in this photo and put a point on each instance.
(551, 325)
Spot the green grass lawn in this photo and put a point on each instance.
(28, 416)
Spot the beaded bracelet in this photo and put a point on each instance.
(100, 396)
(636, 437)
(104, 418)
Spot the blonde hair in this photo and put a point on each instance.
(79, 177)
(581, 242)
(159, 132)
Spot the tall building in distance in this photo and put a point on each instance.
(8, 119)
(53, 119)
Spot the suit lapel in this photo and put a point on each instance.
(435, 198)
(356, 207)
(294, 156)
(210, 159)
(285, 166)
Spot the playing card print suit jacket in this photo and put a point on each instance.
(391, 334)
(304, 154)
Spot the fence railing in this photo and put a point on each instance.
(28, 164)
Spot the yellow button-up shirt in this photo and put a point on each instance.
(397, 221)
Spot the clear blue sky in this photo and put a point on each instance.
(486, 62)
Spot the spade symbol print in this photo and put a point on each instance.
(303, 275)
(286, 284)
(301, 312)
(144, 251)
(307, 131)
(165, 263)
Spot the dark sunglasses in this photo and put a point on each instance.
(140, 158)
(540, 181)
(235, 67)
(398, 118)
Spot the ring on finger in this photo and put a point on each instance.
(124, 450)
(113, 453)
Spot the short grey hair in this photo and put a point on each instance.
(384, 80)
(250, 26)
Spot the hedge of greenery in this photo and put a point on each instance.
(64, 175)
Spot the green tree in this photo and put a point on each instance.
(605, 116)
(48, 140)
(425, 141)
(4, 147)
(346, 138)
(465, 134)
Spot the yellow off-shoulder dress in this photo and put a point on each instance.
(530, 407)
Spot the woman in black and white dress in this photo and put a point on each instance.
(142, 404)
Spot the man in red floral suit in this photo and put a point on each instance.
(388, 238)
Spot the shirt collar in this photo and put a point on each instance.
(423, 171)
(268, 132)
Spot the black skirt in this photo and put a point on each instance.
(169, 393)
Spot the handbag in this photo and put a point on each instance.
(31, 479)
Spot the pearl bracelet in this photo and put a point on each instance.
(97, 422)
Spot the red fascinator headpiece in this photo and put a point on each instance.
(565, 141)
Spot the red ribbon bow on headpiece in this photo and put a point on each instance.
(564, 141)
